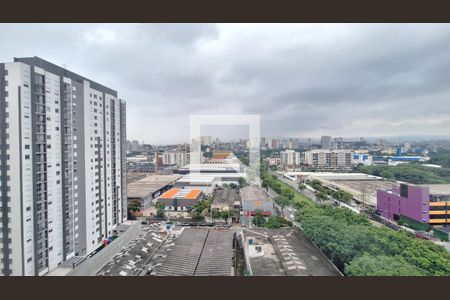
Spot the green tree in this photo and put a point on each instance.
(381, 265)
(134, 205)
(321, 195)
(242, 182)
(277, 222)
(159, 209)
(316, 184)
(288, 193)
(301, 187)
(386, 174)
(282, 201)
(258, 219)
(342, 196)
(160, 213)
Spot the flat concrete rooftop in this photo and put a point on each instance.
(438, 189)
(286, 252)
(253, 193)
(225, 196)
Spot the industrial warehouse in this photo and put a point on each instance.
(184, 252)
(146, 188)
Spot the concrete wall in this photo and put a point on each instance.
(92, 265)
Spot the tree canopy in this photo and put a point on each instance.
(357, 247)
(413, 173)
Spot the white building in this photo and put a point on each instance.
(362, 158)
(179, 158)
(62, 165)
(290, 157)
(206, 140)
(329, 159)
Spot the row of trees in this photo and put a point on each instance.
(273, 222)
(323, 192)
(351, 242)
(358, 248)
(223, 214)
(413, 173)
(277, 186)
(440, 157)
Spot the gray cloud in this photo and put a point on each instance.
(305, 80)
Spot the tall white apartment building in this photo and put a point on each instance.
(179, 158)
(290, 157)
(62, 165)
(206, 140)
(329, 159)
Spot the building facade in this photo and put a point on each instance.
(180, 158)
(329, 159)
(62, 139)
(290, 157)
(255, 200)
(325, 142)
(417, 205)
(181, 200)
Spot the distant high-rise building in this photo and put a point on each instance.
(62, 165)
(134, 146)
(206, 140)
(328, 159)
(406, 146)
(325, 142)
(128, 146)
(338, 143)
(275, 144)
(263, 142)
(179, 158)
(290, 157)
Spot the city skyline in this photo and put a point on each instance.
(376, 81)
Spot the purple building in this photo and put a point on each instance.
(416, 205)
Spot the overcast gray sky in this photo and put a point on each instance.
(304, 80)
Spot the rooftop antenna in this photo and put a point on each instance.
(65, 68)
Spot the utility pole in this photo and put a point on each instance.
(156, 162)
(363, 196)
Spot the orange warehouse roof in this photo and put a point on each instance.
(170, 194)
(221, 155)
(192, 194)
